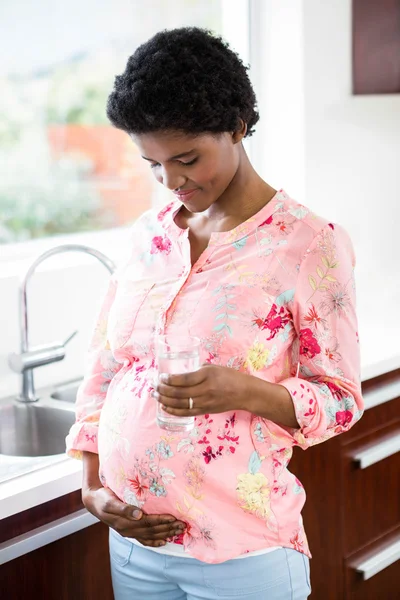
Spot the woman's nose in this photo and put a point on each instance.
(172, 180)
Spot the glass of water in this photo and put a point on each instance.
(176, 355)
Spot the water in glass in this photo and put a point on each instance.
(175, 359)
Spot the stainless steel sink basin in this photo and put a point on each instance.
(67, 392)
(34, 429)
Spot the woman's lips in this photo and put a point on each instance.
(185, 195)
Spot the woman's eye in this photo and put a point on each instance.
(184, 164)
(187, 164)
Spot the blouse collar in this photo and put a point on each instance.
(219, 238)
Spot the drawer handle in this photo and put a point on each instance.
(382, 559)
(41, 536)
(380, 451)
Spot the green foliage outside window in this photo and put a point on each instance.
(42, 195)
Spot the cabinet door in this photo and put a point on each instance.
(319, 469)
(374, 573)
(75, 567)
(371, 488)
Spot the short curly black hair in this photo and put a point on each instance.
(185, 79)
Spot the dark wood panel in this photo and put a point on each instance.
(73, 568)
(319, 469)
(376, 46)
(371, 496)
(382, 586)
(39, 515)
(374, 382)
(370, 384)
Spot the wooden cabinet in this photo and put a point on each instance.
(75, 567)
(369, 489)
(378, 581)
(352, 512)
(72, 568)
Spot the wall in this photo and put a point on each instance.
(277, 66)
(336, 152)
(352, 162)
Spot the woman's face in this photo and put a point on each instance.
(198, 169)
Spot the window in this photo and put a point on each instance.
(64, 169)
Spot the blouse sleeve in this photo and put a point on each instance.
(101, 369)
(326, 388)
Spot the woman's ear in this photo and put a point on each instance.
(239, 134)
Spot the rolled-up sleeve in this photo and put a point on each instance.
(326, 388)
(101, 368)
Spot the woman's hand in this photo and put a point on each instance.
(213, 389)
(130, 521)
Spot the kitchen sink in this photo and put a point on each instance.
(34, 429)
(67, 392)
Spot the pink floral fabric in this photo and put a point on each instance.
(273, 298)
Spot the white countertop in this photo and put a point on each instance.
(371, 368)
(40, 486)
(379, 343)
(64, 476)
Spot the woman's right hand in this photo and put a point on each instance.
(130, 521)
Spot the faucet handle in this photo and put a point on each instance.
(38, 356)
(69, 338)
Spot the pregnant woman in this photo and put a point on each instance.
(267, 287)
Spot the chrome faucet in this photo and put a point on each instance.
(31, 358)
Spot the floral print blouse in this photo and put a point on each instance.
(273, 298)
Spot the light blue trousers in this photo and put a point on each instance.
(142, 574)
